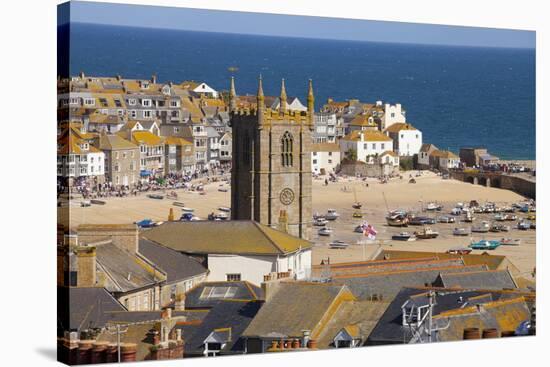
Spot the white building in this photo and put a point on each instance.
(325, 157)
(77, 157)
(393, 114)
(424, 155)
(367, 144)
(444, 160)
(204, 88)
(237, 249)
(407, 140)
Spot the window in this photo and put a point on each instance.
(330, 154)
(393, 114)
(382, 146)
(315, 161)
(174, 103)
(373, 145)
(146, 102)
(103, 102)
(330, 161)
(286, 150)
(73, 100)
(176, 130)
(314, 153)
(133, 114)
(218, 292)
(147, 114)
(120, 112)
(233, 277)
(132, 101)
(89, 101)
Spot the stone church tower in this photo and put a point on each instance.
(271, 172)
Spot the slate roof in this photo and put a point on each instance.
(174, 264)
(196, 297)
(389, 329)
(84, 307)
(496, 279)
(125, 271)
(295, 306)
(357, 317)
(114, 142)
(228, 317)
(388, 284)
(225, 237)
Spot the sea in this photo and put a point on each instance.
(457, 96)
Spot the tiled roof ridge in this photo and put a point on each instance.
(378, 266)
(401, 272)
(474, 308)
(414, 259)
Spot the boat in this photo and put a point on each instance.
(332, 214)
(532, 217)
(505, 228)
(145, 223)
(510, 241)
(459, 251)
(325, 231)
(98, 202)
(358, 229)
(445, 219)
(357, 215)
(456, 211)
(221, 215)
(403, 236)
(426, 233)
(188, 210)
(510, 217)
(224, 209)
(420, 221)
(397, 220)
(186, 217)
(434, 206)
(461, 232)
(320, 222)
(499, 217)
(178, 203)
(468, 217)
(85, 203)
(223, 189)
(483, 227)
(485, 245)
(317, 216)
(524, 225)
(337, 244)
(155, 196)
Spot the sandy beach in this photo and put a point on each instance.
(340, 196)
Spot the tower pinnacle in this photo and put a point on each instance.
(283, 98)
(232, 96)
(310, 101)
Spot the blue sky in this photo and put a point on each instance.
(295, 26)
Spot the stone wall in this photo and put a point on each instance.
(124, 236)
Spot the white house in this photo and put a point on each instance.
(407, 140)
(424, 155)
(368, 144)
(444, 160)
(77, 157)
(325, 157)
(237, 249)
(393, 114)
(204, 88)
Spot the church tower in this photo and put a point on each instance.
(271, 172)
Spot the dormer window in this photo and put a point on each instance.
(89, 101)
(132, 101)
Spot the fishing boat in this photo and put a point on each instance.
(357, 215)
(499, 217)
(85, 203)
(403, 236)
(320, 222)
(485, 245)
(434, 206)
(505, 228)
(397, 220)
(510, 241)
(318, 215)
(510, 217)
(524, 225)
(155, 196)
(445, 219)
(420, 221)
(332, 214)
(325, 231)
(459, 251)
(483, 227)
(224, 209)
(468, 217)
(426, 233)
(221, 216)
(178, 203)
(460, 231)
(456, 211)
(187, 210)
(98, 202)
(337, 244)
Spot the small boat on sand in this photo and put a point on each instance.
(510, 241)
(155, 196)
(178, 203)
(357, 215)
(332, 214)
(325, 231)
(434, 206)
(188, 210)
(397, 220)
(485, 245)
(483, 227)
(460, 231)
(337, 244)
(426, 233)
(320, 222)
(98, 202)
(224, 209)
(403, 236)
(459, 251)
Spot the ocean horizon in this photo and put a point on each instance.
(457, 96)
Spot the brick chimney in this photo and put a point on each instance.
(86, 266)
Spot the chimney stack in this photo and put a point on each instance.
(86, 266)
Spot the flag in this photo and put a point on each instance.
(369, 231)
